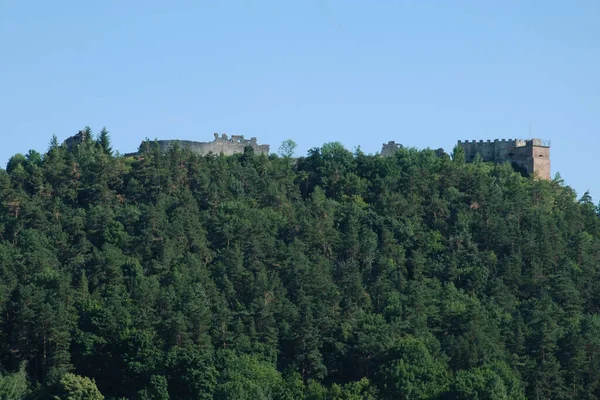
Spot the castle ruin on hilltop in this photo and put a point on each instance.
(220, 145)
(75, 140)
(390, 148)
(533, 155)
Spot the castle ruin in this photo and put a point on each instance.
(390, 148)
(220, 145)
(533, 155)
(76, 139)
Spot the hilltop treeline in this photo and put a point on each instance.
(337, 275)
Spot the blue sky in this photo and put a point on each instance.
(423, 73)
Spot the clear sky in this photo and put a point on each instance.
(362, 72)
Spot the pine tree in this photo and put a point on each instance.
(53, 143)
(104, 141)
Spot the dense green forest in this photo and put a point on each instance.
(338, 275)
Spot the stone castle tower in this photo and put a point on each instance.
(532, 155)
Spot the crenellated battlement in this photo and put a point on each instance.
(530, 155)
(533, 155)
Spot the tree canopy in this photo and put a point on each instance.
(341, 275)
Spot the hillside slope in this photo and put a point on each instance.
(333, 276)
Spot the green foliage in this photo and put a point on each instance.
(14, 386)
(157, 389)
(495, 382)
(247, 377)
(104, 141)
(337, 276)
(287, 148)
(191, 373)
(413, 373)
(458, 154)
(361, 390)
(75, 387)
(53, 143)
(16, 161)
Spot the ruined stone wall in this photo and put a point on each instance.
(390, 148)
(220, 145)
(75, 140)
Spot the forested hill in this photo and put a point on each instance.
(337, 275)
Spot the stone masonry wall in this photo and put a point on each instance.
(541, 161)
(531, 155)
(75, 140)
(390, 148)
(221, 144)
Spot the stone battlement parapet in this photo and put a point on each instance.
(533, 155)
